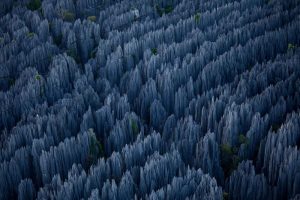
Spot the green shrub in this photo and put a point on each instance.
(92, 18)
(243, 139)
(68, 16)
(161, 11)
(226, 148)
(168, 9)
(34, 5)
(197, 18)
(275, 127)
(229, 159)
(30, 34)
(154, 51)
(38, 77)
(93, 53)
(291, 46)
(225, 196)
(95, 148)
(134, 127)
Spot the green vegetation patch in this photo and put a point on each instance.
(34, 5)
(38, 77)
(154, 51)
(225, 196)
(134, 127)
(95, 148)
(68, 16)
(93, 53)
(92, 18)
(166, 10)
(243, 139)
(226, 149)
(197, 18)
(275, 127)
(229, 159)
(30, 34)
(291, 46)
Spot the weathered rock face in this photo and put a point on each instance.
(244, 183)
(135, 99)
(208, 157)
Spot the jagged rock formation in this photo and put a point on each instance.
(135, 99)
